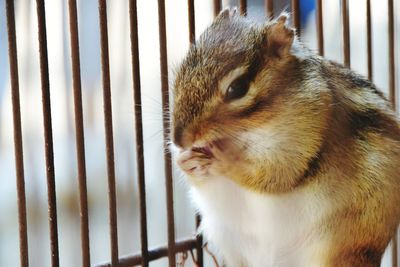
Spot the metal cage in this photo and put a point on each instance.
(173, 246)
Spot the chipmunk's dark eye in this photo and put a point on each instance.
(237, 89)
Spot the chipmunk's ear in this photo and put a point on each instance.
(279, 36)
(227, 13)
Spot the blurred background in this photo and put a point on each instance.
(124, 132)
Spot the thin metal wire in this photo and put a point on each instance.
(269, 8)
(48, 132)
(392, 95)
(192, 39)
(392, 86)
(394, 251)
(369, 40)
(167, 154)
(199, 243)
(79, 132)
(139, 129)
(105, 66)
(296, 15)
(191, 17)
(346, 33)
(217, 7)
(154, 253)
(18, 149)
(320, 27)
(243, 7)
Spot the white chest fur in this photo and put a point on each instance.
(251, 229)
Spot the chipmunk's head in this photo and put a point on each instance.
(240, 84)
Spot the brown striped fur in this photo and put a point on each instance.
(340, 135)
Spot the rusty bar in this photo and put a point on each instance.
(394, 251)
(296, 15)
(191, 16)
(346, 33)
(243, 7)
(392, 86)
(79, 132)
(217, 7)
(105, 67)
(154, 254)
(392, 96)
(48, 131)
(369, 40)
(139, 129)
(18, 149)
(167, 153)
(192, 39)
(320, 27)
(269, 8)
(199, 243)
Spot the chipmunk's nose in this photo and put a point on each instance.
(177, 135)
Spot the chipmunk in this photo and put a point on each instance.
(293, 160)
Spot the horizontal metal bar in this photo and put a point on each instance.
(154, 253)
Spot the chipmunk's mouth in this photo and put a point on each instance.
(206, 150)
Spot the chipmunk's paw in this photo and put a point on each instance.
(195, 164)
(214, 159)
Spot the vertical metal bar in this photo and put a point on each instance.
(79, 132)
(392, 96)
(48, 131)
(394, 250)
(392, 92)
(192, 39)
(369, 40)
(18, 149)
(320, 27)
(346, 33)
(199, 243)
(243, 7)
(105, 67)
(191, 17)
(296, 15)
(139, 129)
(217, 7)
(167, 154)
(269, 8)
